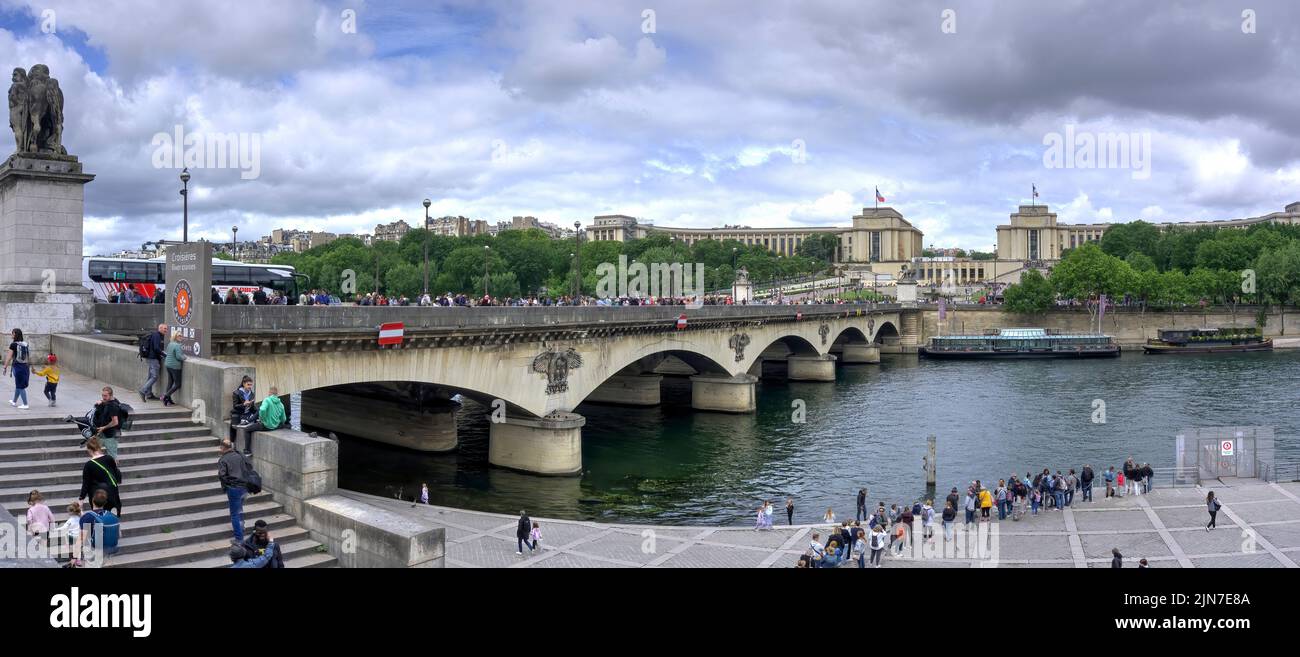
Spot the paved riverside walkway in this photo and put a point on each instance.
(1166, 527)
(76, 394)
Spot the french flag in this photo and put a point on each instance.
(879, 198)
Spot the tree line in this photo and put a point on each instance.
(530, 263)
(1139, 263)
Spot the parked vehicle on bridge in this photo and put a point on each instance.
(106, 277)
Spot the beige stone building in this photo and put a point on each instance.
(392, 232)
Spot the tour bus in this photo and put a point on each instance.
(106, 277)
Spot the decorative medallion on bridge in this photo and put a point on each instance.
(871, 326)
(555, 364)
(824, 330)
(738, 342)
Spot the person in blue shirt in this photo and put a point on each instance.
(240, 557)
(109, 523)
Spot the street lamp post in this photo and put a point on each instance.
(577, 267)
(487, 250)
(427, 203)
(234, 242)
(185, 205)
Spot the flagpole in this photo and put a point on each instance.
(876, 199)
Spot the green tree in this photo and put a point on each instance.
(1134, 237)
(1033, 294)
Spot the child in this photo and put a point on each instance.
(39, 517)
(535, 536)
(51, 374)
(1119, 479)
(72, 526)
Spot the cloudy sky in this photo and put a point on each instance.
(684, 113)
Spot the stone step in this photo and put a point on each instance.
(63, 429)
(313, 560)
(54, 416)
(289, 549)
(214, 549)
(43, 480)
(174, 439)
(206, 497)
(143, 490)
(217, 530)
(127, 462)
(172, 523)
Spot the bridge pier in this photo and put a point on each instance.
(551, 445)
(729, 394)
(811, 368)
(426, 429)
(860, 353)
(628, 390)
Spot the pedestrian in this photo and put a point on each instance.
(534, 536)
(107, 420)
(816, 550)
(949, 516)
(1058, 491)
(1212, 504)
(1071, 483)
(110, 527)
(1109, 476)
(831, 558)
(270, 417)
(240, 556)
(260, 543)
(927, 519)
(1116, 559)
(72, 526)
(173, 357)
(1085, 481)
(1035, 500)
(243, 409)
(39, 517)
(100, 472)
(986, 504)
(860, 548)
(151, 350)
(969, 503)
(862, 505)
(424, 493)
(1142, 563)
(767, 514)
(789, 510)
(758, 521)
(17, 360)
(878, 542)
(1147, 475)
(522, 529)
(1000, 497)
(232, 472)
(954, 499)
(51, 373)
(1120, 485)
(829, 516)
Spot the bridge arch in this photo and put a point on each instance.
(851, 335)
(887, 334)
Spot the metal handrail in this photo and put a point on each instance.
(1281, 471)
(1176, 477)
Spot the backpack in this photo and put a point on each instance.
(112, 529)
(21, 354)
(916, 509)
(146, 347)
(124, 420)
(252, 480)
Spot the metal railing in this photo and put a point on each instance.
(1280, 471)
(1176, 477)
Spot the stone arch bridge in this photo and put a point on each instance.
(539, 362)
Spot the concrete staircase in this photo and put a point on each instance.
(174, 513)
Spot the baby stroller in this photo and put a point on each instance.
(85, 425)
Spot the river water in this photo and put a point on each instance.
(672, 465)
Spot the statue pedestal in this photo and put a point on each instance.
(41, 214)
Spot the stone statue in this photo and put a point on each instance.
(18, 109)
(742, 274)
(36, 111)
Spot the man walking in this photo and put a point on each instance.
(521, 531)
(232, 472)
(151, 350)
(862, 505)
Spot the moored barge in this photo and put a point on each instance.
(1016, 343)
(1207, 341)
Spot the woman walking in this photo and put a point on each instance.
(789, 510)
(949, 516)
(1212, 505)
(17, 360)
(174, 355)
(101, 472)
